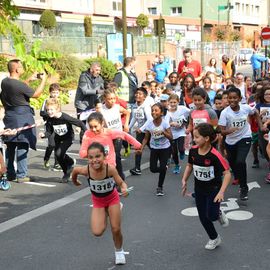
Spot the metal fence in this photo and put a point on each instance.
(83, 45)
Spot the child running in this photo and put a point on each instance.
(160, 147)
(97, 133)
(235, 126)
(209, 167)
(60, 124)
(177, 117)
(54, 91)
(102, 179)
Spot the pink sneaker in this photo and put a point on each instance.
(267, 178)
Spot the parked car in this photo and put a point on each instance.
(244, 55)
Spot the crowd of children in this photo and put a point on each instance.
(211, 121)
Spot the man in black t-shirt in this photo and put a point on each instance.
(15, 97)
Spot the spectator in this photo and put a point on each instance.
(212, 66)
(228, 67)
(101, 52)
(127, 80)
(174, 83)
(90, 85)
(189, 66)
(161, 69)
(15, 97)
(256, 63)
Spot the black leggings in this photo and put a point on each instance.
(208, 210)
(162, 156)
(60, 152)
(50, 148)
(117, 148)
(177, 147)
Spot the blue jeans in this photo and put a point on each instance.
(20, 149)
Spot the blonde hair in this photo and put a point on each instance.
(53, 102)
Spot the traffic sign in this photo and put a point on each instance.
(265, 33)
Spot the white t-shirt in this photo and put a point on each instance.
(140, 114)
(179, 116)
(149, 101)
(158, 140)
(112, 117)
(229, 119)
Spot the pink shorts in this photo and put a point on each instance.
(103, 202)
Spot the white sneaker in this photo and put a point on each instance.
(223, 220)
(212, 244)
(120, 257)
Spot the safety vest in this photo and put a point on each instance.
(123, 90)
(227, 69)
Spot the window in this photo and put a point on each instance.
(257, 10)
(117, 5)
(152, 10)
(176, 11)
(247, 10)
(237, 7)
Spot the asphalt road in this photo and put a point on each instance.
(47, 227)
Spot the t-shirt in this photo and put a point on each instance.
(180, 116)
(211, 95)
(106, 139)
(239, 119)
(15, 93)
(112, 117)
(140, 114)
(161, 70)
(202, 116)
(194, 68)
(207, 169)
(158, 140)
(62, 127)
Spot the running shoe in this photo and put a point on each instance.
(65, 178)
(57, 168)
(23, 179)
(244, 194)
(176, 169)
(223, 220)
(46, 164)
(212, 244)
(120, 257)
(135, 171)
(267, 178)
(235, 182)
(159, 192)
(127, 152)
(186, 152)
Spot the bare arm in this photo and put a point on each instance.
(226, 181)
(118, 180)
(40, 88)
(78, 171)
(186, 175)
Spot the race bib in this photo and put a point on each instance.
(60, 130)
(102, 186)
(197, 121)
(239, 122)
(114, 124)
(139, 114)
(204, 173)
(157, 133)
(180, 121)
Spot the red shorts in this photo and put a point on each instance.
(102, 202)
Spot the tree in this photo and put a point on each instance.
(47, 20)
(88, 26)
(142, 21)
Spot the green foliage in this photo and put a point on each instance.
(3, 63)
(142, 21)
(235, 35)
(47, 19)
(8, 10)
(108, 69)
(88, 26)
(69, 68)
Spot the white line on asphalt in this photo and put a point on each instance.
(39, 184)
(14, 222)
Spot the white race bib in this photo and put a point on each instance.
(102, 186)
(204, 173)
(139, 114)
(197, 121)
(60, 129)
(239, 122)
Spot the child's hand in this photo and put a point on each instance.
(184, 187)
(41, 135)
(124, 188)
(126, 128)
(138, 131)
(219, 197)
(9, 132)
(76, 182)
(232, 130)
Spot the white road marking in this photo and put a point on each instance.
(239, 215)
(14, 222)
(252, 185)
(39, 184)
